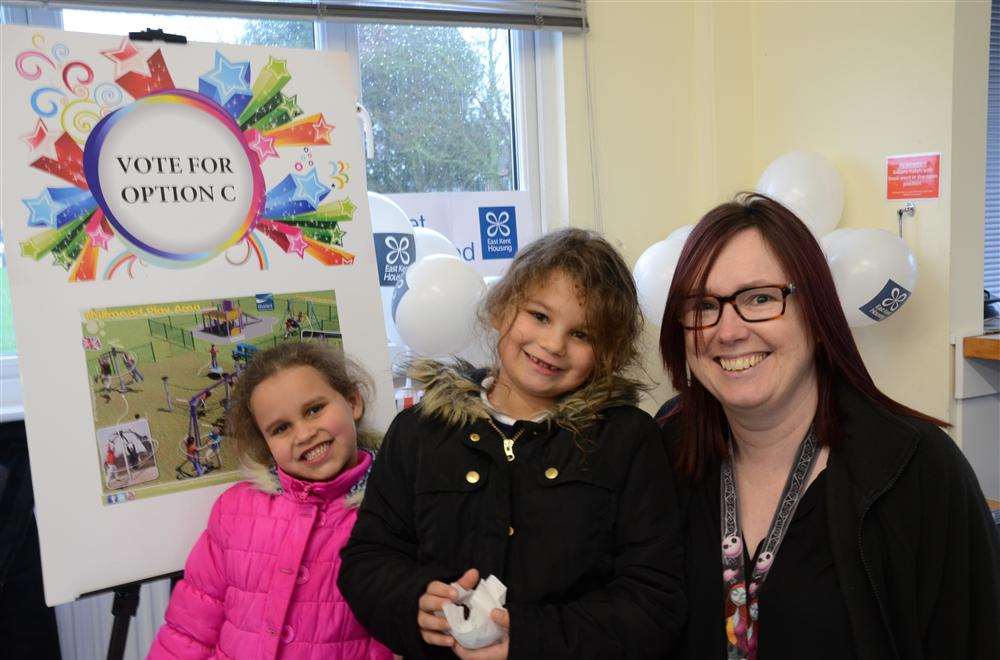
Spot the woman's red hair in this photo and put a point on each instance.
(700, 416)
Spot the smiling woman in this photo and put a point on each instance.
(783, 441)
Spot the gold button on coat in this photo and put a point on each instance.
(510, 531)
(472, 477)
(474, 437)
(551, 473)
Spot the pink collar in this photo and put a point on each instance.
(322, 492)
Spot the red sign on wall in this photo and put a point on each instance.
(913, 176)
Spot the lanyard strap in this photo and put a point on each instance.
(741, 607)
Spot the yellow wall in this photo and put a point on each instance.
(691, 101)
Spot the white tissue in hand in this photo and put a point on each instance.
(479, 629)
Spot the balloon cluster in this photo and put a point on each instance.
(874, 270)
(429, 294)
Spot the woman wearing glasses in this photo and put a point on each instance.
(824, 519)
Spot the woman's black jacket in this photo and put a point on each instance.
(587, 544)
(914, 546)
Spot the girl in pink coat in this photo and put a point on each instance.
(261, 581)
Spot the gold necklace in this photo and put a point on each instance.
(508, 443)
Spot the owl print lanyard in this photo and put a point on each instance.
(741, 608)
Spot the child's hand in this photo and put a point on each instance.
(496, 651)
(433, 628)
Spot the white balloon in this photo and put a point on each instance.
(874, 270)
(654, 271)
(428, 242)
(809, 186)
(388, 216)
(436, 314)
(432, 242)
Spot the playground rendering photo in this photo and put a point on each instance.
(161, 376)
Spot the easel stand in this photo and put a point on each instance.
(124, 607)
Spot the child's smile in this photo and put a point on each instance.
(308, 426)
(544, 366)
(317, 453)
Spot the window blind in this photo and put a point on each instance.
(563, 15)
(991, 253)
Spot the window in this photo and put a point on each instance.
(991, 256)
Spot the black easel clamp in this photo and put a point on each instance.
(150, 34)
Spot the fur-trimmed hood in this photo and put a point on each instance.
(452, 393)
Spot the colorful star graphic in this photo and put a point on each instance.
(43, 210)
(127, 58)
(262, 145)
(99, 236)
(229, 78)
(275, 67)
(46, 148)
(321, 131)
(337, 234)
(297, 244)
(309, 188)
(37, 136)
(62, 258)
(348, 207)
(290, 105)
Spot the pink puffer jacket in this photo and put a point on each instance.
(261, 582)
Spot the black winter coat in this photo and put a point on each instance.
(914, 546)
(587, 544)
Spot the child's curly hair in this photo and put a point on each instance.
(341, 373)
(603, 282)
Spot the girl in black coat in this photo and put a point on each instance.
(540, 472)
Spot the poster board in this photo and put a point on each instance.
(169, 210)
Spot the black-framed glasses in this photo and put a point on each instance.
(753, 304)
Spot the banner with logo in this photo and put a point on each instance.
(169, 211)
(487, 228)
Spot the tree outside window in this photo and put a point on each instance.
(441, 105)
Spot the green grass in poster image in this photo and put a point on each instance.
(154, 364)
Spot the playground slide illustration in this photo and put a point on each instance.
(162, 376)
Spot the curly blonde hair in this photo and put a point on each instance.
(340, 372)
(603, 282)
